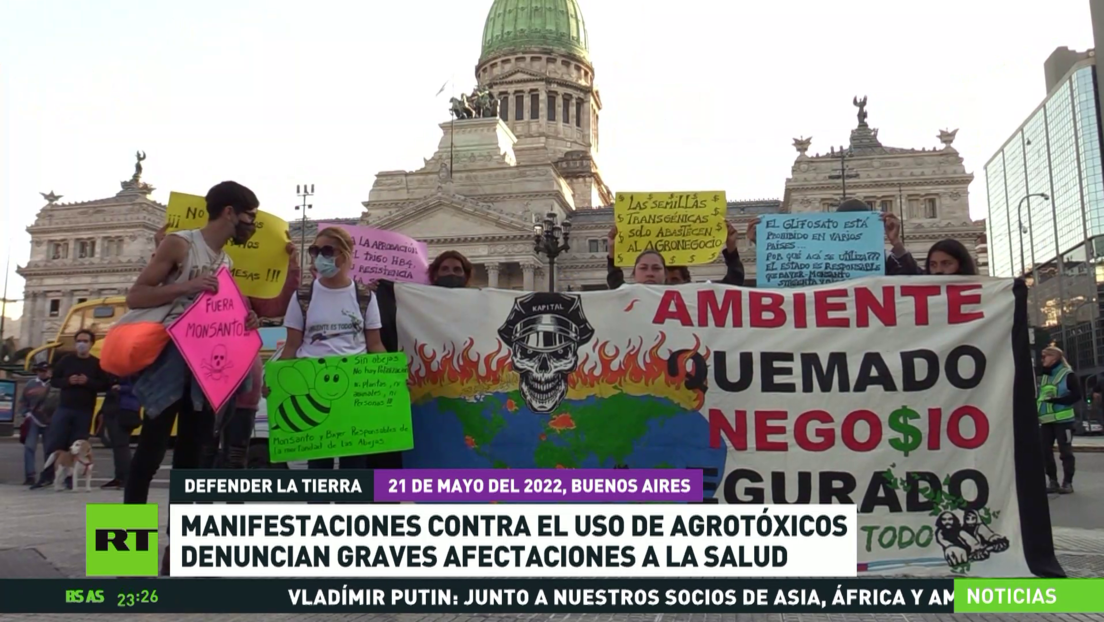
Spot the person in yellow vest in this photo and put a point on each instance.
(1059, 390)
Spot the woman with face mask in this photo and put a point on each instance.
(332, 316)
(451, 269)
(949, 257)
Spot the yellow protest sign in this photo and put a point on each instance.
(260, 265)
(687, 228)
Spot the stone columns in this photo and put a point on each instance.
(492, 275)
(527, 276)
(27, 329)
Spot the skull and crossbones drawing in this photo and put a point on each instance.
(217, 368)
(544, 331)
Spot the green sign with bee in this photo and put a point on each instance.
(338, 406)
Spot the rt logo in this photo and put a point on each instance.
(120, 540)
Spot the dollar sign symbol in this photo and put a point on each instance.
(692, 258)
(899, 421)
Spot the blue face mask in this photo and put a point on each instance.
(326, 266)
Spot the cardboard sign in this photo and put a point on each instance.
(687, 228)
(380, 254)
(260, 265)
(338, 406)
(801, 250)
(213, 340)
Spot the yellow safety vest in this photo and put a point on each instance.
(1053, 385)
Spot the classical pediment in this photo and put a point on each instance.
(447, 216)
(516, 75)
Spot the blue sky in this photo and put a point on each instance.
(698, 93)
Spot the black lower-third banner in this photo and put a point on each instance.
(477, 595)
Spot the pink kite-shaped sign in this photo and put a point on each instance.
(212, 337)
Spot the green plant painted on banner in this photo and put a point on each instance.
(966, 539)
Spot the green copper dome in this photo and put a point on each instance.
(522, 25)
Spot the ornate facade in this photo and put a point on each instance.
(490, 179)
(926, 188)
(86, 250)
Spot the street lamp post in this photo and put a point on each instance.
(552, 239)
(1019, 215)
(305, 191)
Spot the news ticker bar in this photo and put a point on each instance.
(215, 596)
(439, 486)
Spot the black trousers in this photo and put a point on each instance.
(1063, 433)
(193, 434)
(119, 429)
(229, 447)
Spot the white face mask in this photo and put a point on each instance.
(83, 348)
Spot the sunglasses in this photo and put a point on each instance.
(325, 251)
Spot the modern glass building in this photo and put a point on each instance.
(1046, 213)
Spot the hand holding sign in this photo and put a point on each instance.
(215, 341)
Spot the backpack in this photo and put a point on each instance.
(363, 295)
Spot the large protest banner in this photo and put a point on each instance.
(260, 265)
(895, 395)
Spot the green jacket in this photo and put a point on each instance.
(1054, 385)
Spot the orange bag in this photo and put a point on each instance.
(135, 341)
(129, 348)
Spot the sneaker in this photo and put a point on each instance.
(114, 484)
(1066, 489)
(1052, 488)
(30, 481)
(39, 485)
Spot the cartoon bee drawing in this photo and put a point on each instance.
(313, 385)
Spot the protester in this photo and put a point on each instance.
(1059, 390)
(80, 379)
(899, 261)
(36, 419)
(679, 275)
(450, 269)
(949, 257)
(121, 417)
(235, 428)
(183, 267)
(340, 316)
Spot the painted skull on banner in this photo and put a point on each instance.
(544, 331)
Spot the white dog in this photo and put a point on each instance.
(76, 462)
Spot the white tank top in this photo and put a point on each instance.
(199, 261)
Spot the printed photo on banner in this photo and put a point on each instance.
(260, 265)
(686, 228)
(213, 339)
(338, 406)
(865, 394)
(385, 255)
(800, 250)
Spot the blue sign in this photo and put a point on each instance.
(7, 401)
(801, 250)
